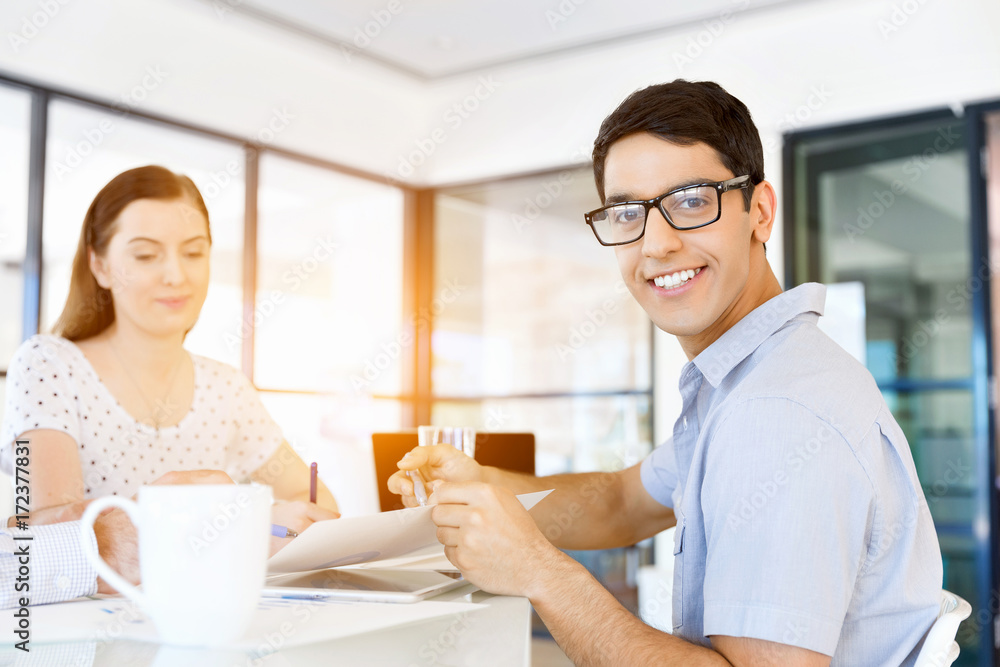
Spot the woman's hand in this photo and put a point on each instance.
(296, 515)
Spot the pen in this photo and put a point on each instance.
(282, 531)
(312, 483)
(418, 486)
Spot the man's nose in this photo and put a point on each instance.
(660, 238)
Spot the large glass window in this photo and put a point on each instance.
(328, 318)
(329, 279)
(87, 147)
(526, 300)
(534, 330)
(888, 206)
(15, 134)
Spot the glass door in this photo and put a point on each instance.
(888, 205)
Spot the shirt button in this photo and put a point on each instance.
(62, 582)
(684, 422)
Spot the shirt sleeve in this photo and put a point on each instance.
(258, 436)
(39, 395)
(50, 567)
(659, 473)
(786, 537)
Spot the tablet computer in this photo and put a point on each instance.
(372, 585)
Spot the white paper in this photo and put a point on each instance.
(365, 538)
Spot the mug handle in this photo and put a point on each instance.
(103, 569)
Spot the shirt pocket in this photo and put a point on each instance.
(677, 597)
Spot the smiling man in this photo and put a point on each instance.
(803, 536)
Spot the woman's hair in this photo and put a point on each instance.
(684, 113)
(89, 307)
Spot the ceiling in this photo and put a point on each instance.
(431, 39)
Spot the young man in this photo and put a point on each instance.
(803, 536)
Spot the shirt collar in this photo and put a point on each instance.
(717, 360)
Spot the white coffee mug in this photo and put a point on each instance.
(203, 552)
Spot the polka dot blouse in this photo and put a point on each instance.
(51, 385)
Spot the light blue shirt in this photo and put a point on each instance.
(800, 518)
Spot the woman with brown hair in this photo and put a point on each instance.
(112, 400)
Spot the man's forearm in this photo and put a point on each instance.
(595, 630)
(585, 510)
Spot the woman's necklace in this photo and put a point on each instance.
(160, 410)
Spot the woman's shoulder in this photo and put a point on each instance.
(44, 349)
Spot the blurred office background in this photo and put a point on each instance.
(396, 190)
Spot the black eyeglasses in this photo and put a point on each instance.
(689, 207)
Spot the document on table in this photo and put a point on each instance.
(365, 538)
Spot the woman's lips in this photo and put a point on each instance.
(174, 303)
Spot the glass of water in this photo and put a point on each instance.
(462, 438)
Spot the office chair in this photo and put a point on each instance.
(510, 451)
(940, 648)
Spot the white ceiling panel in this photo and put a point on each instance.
(436, 38)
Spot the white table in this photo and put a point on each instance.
(498, 635)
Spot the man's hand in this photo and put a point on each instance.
(118, 544)
(438, 462)
(296, 515)
(491, 538)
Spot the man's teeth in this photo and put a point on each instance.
(676, 279)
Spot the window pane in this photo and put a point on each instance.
(900, 225)
(335, 432)
(88, 147)
(15, 134)
(526, 300)
(578, 434)
(329, 281)
(938, 425)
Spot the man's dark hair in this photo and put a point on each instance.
(684, 113)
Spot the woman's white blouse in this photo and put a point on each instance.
(51, 385)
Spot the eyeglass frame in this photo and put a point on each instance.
(721, 187)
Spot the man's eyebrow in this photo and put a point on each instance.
(619, 197)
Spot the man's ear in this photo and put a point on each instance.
(98, 267)
(763, 209)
